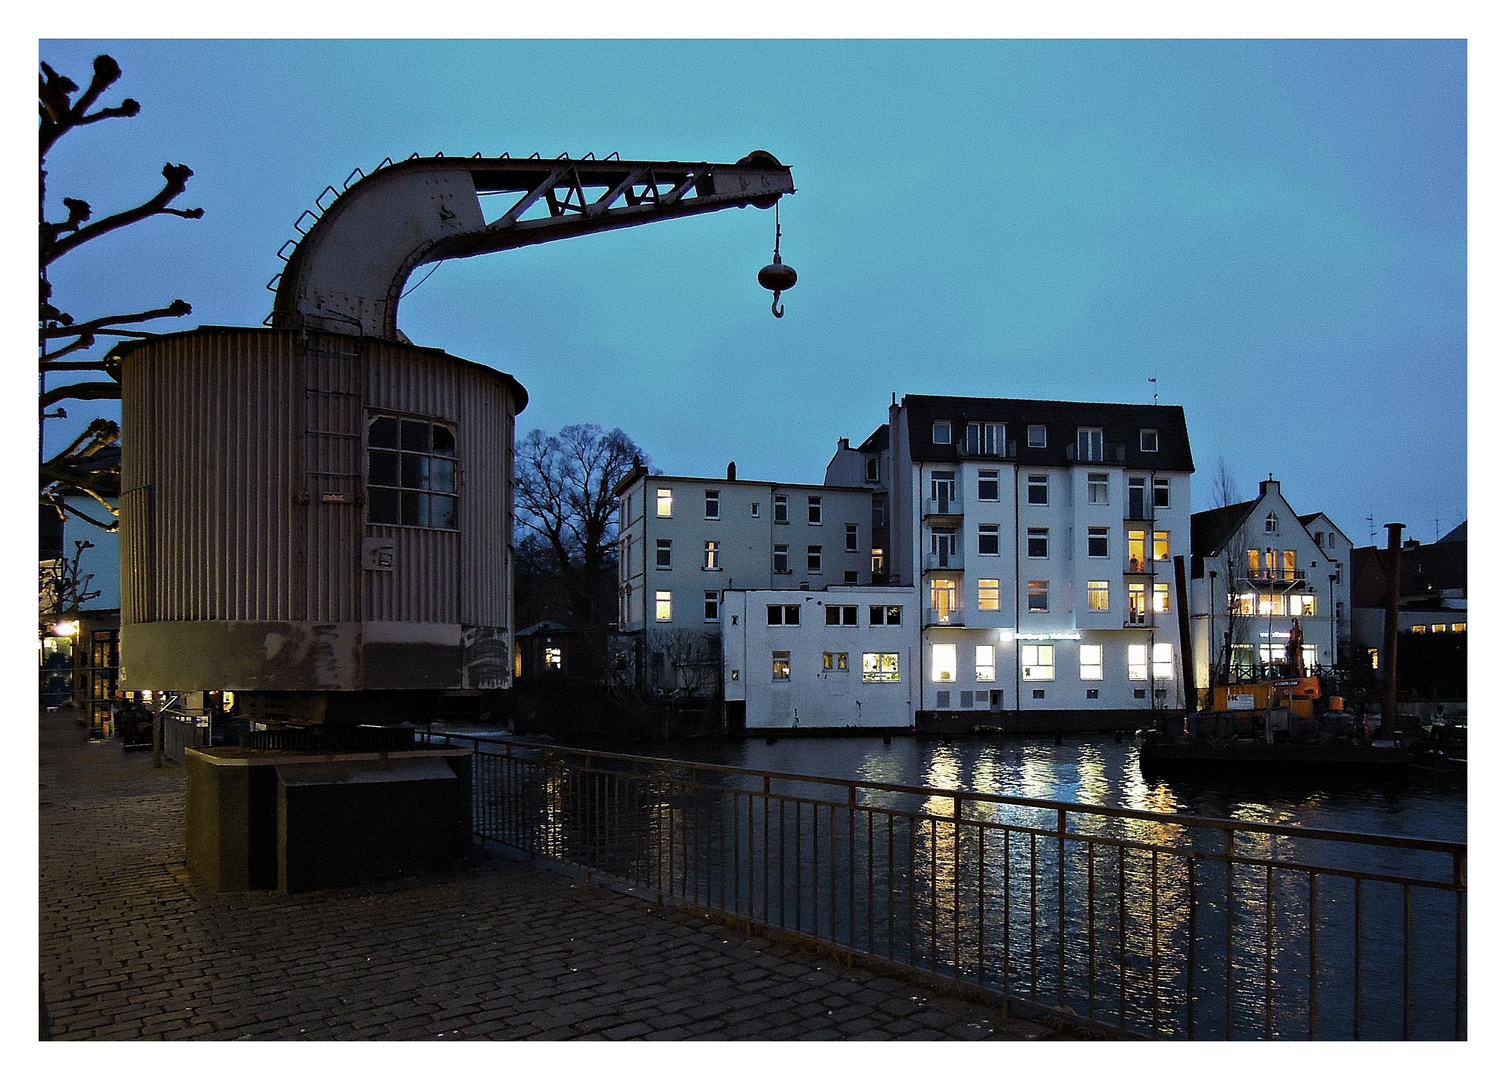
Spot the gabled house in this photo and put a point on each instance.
(1262, 582)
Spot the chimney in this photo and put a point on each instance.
(843, 444)
(731, 470)
(1272, 486)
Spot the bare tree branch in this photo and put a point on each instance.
(55, 246)
(176, 309)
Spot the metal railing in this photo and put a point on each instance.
(179, 733)
(1151, 924)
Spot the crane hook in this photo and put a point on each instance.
(777, 277)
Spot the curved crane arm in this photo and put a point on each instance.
(347, 273)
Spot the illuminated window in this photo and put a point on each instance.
(1037, 543)
(713, 504)
(1038, 663)
(941, 432)
(1098, 596)
(1305, 605)
(1037, 490)
(713, 556)
(663, 608)
(1161, 546)
(1161, 660)
(834, 661)
(1090, 662)
(988, 539)
(1036, 596)
(880, 667)
(736, 674)
(1150, 440)
(712, 609)
(943, 663)
(784, 614)
(876, 560)
(554, 659)
(1253, 556)
(1036, 435)
(1374, 659)
(1439, 628)
(781, 665)
(1098, 542)
(1457, 627)
(988, 485)
(884, 615)
(1136, 550)
(410, 473)
(1419, 629)
(1271, 604)
(841, 614)
(1137, 604)
(943, 597)
(1243, 604)
(1289, 566)
(983, 663)
(781, 558)
(1138, 668)
(781, 509)
(988, 594)
(663, 553)
(666, 502)
(1160, 600)
(1089, 444)
(1098, 487)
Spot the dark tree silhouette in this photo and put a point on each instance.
(564, 497)
(90, 466)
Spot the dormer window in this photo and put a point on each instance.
(941, 433)
(1036, 435)
(1090, 444)
(1150, 440)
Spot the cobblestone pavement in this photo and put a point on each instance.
(499, 949)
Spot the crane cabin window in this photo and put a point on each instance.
(410, 473)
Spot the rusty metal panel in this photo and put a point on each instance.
(135, 555)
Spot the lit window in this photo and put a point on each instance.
(1090, 444)
(988, 485)
(943, 598)
(988, 594)
(781, 665)
(410, 473)
(1270, 604)
(884, 615)
(1136, 550)
(1137, 604)
(1150, 440)
(880, 667)
(713, 606)
(713, 556)
(813, 509)
(1253, 556)
(663, 610)
(713, 504)
(1139, 669)
(1038, 662)
(1098, 487)
(1305, 604)
(1090, 662)
(852, 537)
(666, 502)
(1163, 491)
(1098, 542)
(1036, 490)
(834, 661)
(1098, 596)
(781, 509)
(1438, 628)
(941, 432)
(813, 558)
(876, 560)
(1037, 543)
(1161, 598)
(1162, 546)
(1457, 627)
(943, 663)
(1161, 660)
(1036, 435)
(841, 615)
(1374, 659)
(554, 659)
(663, 552)
(1037, 593)
(983, 663)
(1419, 629)
(988, 539)
(781, 558)
(784, 614)
(736, 674)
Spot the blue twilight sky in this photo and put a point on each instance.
(1274, 230)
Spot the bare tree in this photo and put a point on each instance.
(564, 496)
(64, 588)
(694, 660)
(1225, 487)
(90, 466)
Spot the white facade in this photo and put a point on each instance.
(1264, 572)
(844, 657)
(685, 541)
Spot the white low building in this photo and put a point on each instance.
(837, 658)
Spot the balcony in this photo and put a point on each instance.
(951, 617)
(942, 560)
(1133, 565)
(943, 507)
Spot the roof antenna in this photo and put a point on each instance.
(1155, 394)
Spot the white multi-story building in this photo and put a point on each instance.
(1262, 573)
(1041, 537)
(847, 656)
(684, 541)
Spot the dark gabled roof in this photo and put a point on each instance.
(1308, 519)
(878, 442)
(1457, 535)
(1211, 529)
(1121, 426)
(1426, 570)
